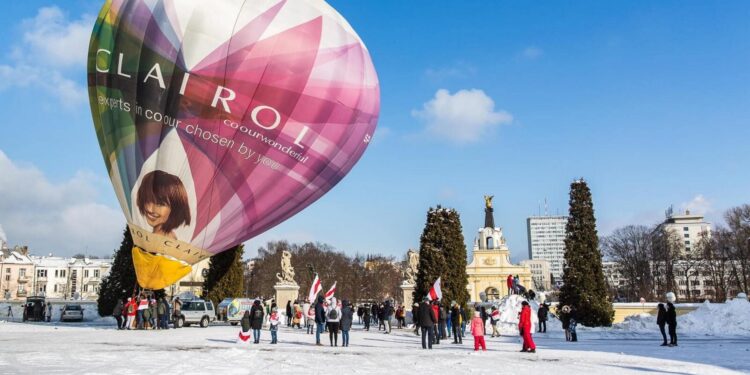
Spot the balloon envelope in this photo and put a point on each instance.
(219, 120)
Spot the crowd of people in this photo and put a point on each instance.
(146, 312)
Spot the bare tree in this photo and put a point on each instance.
(630, 248)
(738, 244)
(665, 248)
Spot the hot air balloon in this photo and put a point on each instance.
(218, 120)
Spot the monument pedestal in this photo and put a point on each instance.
(408, 292)
(284, 293)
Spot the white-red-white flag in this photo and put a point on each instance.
(330, 292)
(435, 292)
(314, 289)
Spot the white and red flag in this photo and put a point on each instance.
(330, 292)
(435, 292)
(314, 289)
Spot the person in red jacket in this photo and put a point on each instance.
(477, 330)
(436, 313)
(509, 282)
(524, 328)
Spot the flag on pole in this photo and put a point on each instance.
(314, 289)
(330, 292)
(435, 292)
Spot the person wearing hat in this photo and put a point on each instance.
(524, 328)
(477, 330)
(426, 321)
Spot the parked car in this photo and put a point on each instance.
(71, 313)
(34, 309)
(196, 311)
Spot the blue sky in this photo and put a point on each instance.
(649, 101)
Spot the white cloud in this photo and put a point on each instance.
(458, 70)
(63, 218)
(462, 117)
(53, 50)
(532, 53)
(698, 205)
(55, 40)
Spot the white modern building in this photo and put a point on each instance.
(546, 235)
(540, 274)
(689, 227)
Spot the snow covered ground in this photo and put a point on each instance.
(88, 348)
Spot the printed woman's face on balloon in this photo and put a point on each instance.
(162, 200)
(156, 214)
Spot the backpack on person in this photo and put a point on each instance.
(298, 315)
(258, 314)
(332, 314)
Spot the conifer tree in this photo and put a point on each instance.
(226, 275)
(442, 253)
(121, 281)
(584, 287)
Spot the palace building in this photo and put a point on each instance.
(491, 265)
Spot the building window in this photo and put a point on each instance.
(687, 235)
(22, 272)
(685, 229)
(7, 270)
(687, 242)
(490, 243)
(86, 273)
(96, 273)
(7, 277)
(20, 289)
(55, 288)
(85, 288)
(41, 273)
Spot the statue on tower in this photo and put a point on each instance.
(412, 264)
(287, 271)
(489, 218)
(488, 201)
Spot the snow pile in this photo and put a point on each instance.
(718, 319)
(510, 311)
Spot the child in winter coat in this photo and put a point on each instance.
(274, 323)
(244, 336)
(311, 320)
(477, 330)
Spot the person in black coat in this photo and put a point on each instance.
(288, 313)
(542, 315)
(360, 312)
(456, 323)
(347, 317)
(426, 321)
(442, 319)
(117, 313)
(661, 321)
(387, 315)
(672, 323)
(320, 319)
(256, 320)
(415, 317)
(366, 317)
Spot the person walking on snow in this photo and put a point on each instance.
(130, 309)
(542, 315)
(456, 322)
(661, 321)
(672, 323)
(426, 320)
(273, 322)
(524, 328)
(333, 317)
(310, 320)
(320, 319)
(347, 318)
(116, 312)
(509, 283)
(288, 313)
(477, 330)
(494, 318)
(256, 320)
